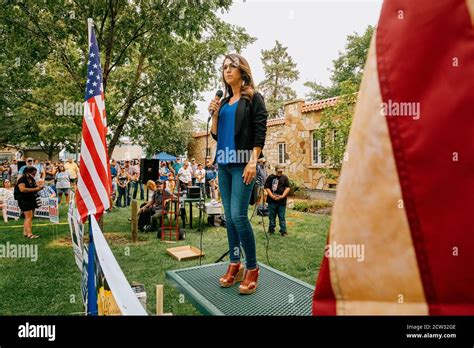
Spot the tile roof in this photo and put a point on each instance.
(275, 121)
(319, 104)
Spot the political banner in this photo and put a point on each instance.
(85, 264)
(114, 279)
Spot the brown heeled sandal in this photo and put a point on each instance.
(249, 284)
(234, 274)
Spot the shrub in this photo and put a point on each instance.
(310, 206)
(295, 187)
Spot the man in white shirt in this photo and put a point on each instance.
(184, 176)
(200, 176)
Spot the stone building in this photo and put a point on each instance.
(291, 141)
(197, 147)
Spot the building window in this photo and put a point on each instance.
(317, 148)
(208, 152)
(281, 153)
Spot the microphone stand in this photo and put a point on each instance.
(204, 194)
(205, 157)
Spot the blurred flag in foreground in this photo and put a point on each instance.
(406, 195)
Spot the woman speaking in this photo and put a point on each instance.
(239, 125)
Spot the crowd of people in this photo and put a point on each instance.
(57, 178)
(126, 183)
(28, 180)
(44, 178)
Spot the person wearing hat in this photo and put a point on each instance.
(194, 168)
(200, 176)
(157, 204)
(277, 187)
(29, 163)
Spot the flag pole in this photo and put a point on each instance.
(90, 23)
(91, 286)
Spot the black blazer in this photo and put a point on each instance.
(250, 123)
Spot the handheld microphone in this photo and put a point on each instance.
(217, 97)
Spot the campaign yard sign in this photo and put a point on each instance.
(13, 210)
(43, 210)
(76, 242)
(53, 210)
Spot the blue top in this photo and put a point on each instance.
(177, 166)
(226, 150)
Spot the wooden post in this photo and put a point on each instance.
(159, 299)
(134, 221)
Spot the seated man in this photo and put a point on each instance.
(47, 191)
(157, 205)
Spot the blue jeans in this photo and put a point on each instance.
(202, 188)
(275, 209)
(235, 199)
(135, 186)
(122, 192)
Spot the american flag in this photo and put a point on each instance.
(94, 184)
(396, 197)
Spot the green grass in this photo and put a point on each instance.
(50, 285)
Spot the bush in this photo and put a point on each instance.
(311, 206)
(295, 187)
(302, 194)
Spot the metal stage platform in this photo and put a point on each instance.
(278, 294)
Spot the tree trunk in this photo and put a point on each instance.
(130, 102)
(118, 131)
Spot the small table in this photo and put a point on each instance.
(191, 201)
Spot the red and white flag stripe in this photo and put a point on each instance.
(94, 184)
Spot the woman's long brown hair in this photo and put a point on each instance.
(248, 88)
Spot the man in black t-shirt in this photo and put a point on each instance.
(277, 187)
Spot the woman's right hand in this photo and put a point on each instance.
(214, 105)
